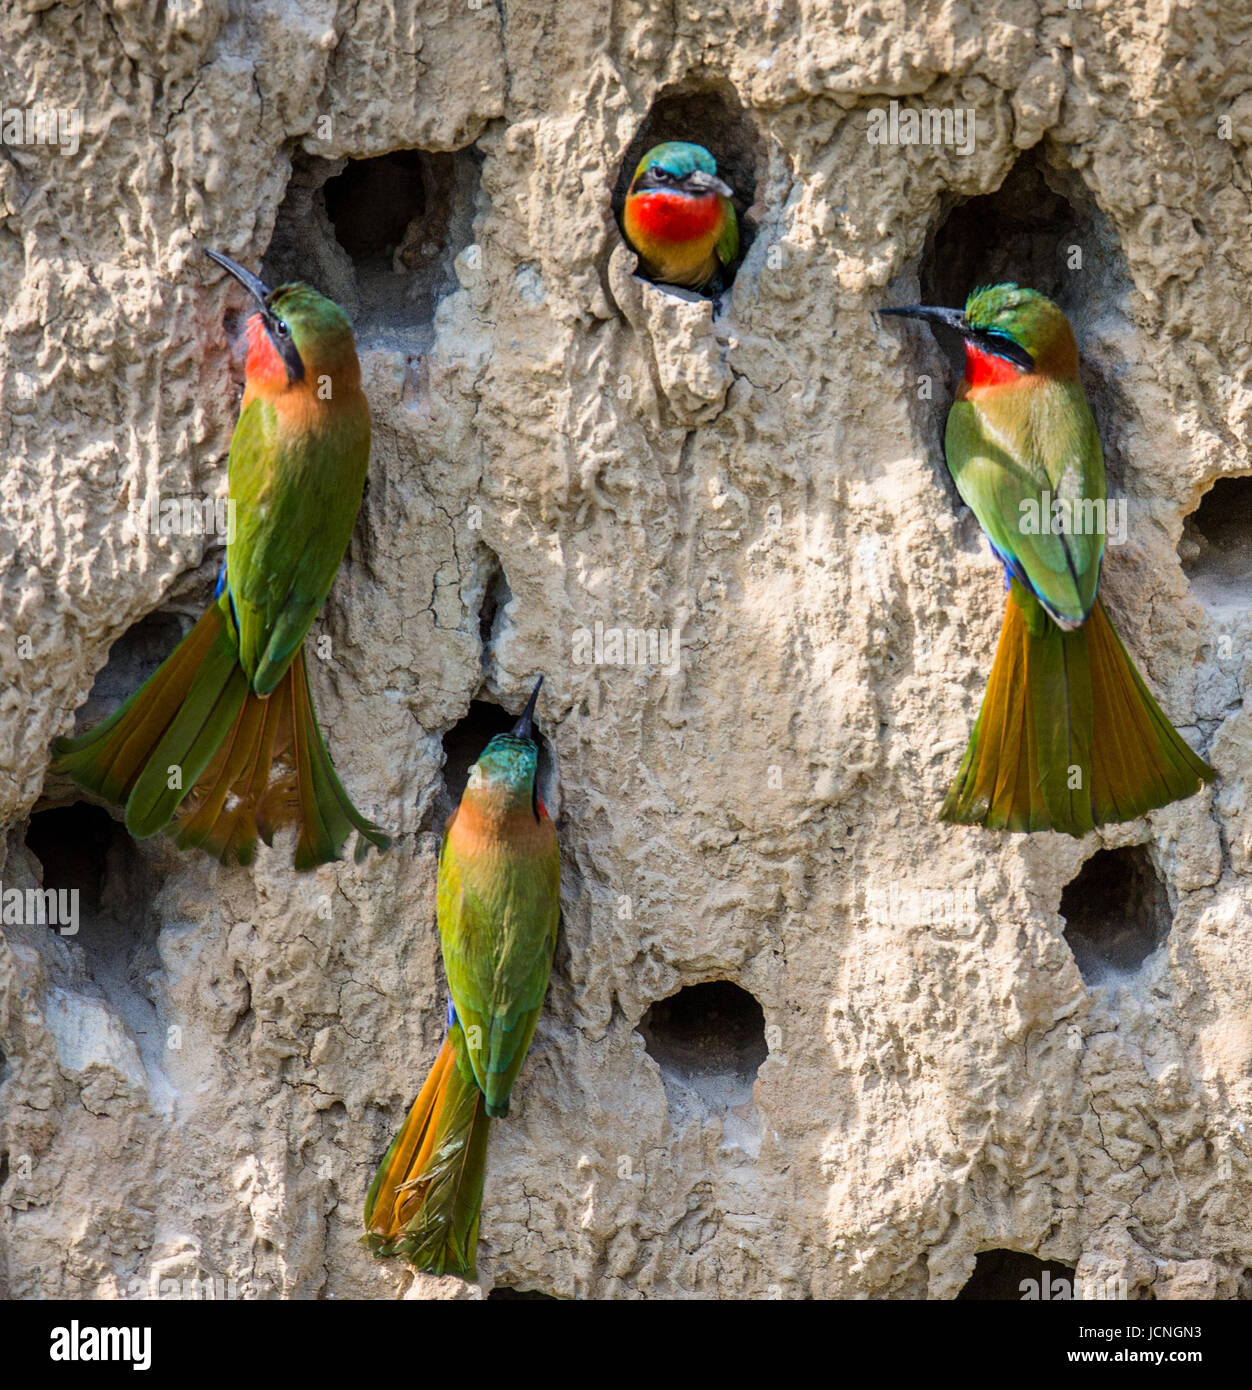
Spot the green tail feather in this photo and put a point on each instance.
(188, 745)
(339, 815)
(329, 816)
(1059, 677)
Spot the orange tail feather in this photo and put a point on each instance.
(1068, 737)
(109, 758)
(426, 1197)
(232, 738)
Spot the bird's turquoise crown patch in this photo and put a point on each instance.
(680, 158)
(508, 758)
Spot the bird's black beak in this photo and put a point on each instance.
(524, 728)
(700, 182)
(986, 340)
(255, 286)
(949, 318)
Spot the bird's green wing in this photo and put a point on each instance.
(296, 492)
(728, 242)
(1012, 455)
(498, 912)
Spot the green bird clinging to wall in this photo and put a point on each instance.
(1069, 736)
(194, 750)
(678, 216)
(498, 909)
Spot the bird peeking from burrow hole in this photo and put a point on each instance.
(679, 219)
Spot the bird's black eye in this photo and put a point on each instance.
(280, 327)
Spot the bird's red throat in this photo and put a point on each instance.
(987, 368)
(675, 217)
(266, 369)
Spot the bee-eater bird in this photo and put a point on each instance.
(194, 749)
(1069, 736)
(678, 216)
(498, 908)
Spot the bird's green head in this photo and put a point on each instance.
(297, 336)
(506, 768)
(1008, 331)
(1025, 317)
(679, 167)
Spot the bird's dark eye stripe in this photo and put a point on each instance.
(996, 341)
(281, 335)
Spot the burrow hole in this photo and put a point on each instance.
(1041, 229)
(1216, 546)
(710, 115)
(463, 745)
(710, 1037)
(83, 851)
(378, 235)
(1116, 913)
(1000, 1274)
(506, 1291)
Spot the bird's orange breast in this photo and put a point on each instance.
(481, 823)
